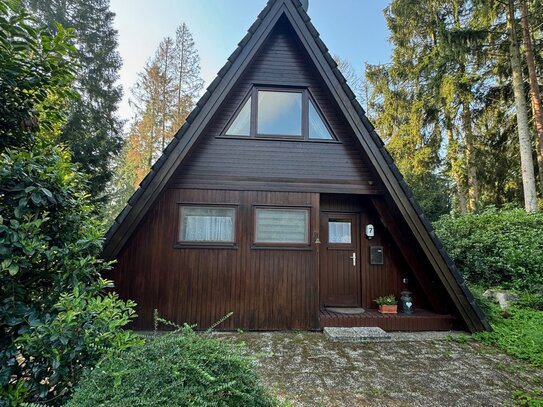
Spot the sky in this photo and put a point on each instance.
(355, 30)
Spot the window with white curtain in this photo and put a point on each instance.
(339, 231)
(288, 226)
(207, 224)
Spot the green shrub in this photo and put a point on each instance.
(496, 248)
(55, 319)
(528, 399)
(519, 332)
(36, 74)
(183, 368)
(531, 300)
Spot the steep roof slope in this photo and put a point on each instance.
(398, 193)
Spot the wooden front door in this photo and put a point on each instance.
(339, 260)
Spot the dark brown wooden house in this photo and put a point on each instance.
(277, 200)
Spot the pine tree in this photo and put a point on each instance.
(433, 74)
(149, 105)
(93, 130)
(188, 84)
(163, 96)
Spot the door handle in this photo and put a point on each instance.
(354, 258)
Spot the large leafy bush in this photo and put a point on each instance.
(55, 319)
(36, 73)
(180, 369)
(496, 248)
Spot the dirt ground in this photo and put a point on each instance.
(307, 369)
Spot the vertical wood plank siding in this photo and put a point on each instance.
(232, 163)
(266, 289)
(386, 278)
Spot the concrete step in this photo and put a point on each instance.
(358, 334)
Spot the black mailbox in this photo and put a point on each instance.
(376, 255)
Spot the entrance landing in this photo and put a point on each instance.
(420, 320)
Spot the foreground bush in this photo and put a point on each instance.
(497, 248)
(181, 369)
(56, 321)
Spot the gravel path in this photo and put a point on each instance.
(412, 370)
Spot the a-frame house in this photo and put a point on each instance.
(279, 202)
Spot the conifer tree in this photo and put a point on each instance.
(163, 96)
(188, 82)
(93, 130)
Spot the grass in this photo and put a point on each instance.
(519, 332)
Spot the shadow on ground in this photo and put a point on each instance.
(309, 370)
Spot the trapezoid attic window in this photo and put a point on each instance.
(280, 113)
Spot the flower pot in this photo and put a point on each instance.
(388, 309)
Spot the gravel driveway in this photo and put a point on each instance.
(418, 370)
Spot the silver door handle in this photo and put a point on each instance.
(354, 259)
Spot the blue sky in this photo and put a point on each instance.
(353, 29)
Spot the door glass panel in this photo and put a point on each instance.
(339, 231)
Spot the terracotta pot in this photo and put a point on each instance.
(388, 309)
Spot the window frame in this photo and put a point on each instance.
(282, 245)
(306, 99)
(205, 244)
(341, 246)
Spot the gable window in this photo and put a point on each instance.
(317, 129)
(279, 113)
(206, 224)
(285, 226)
(241, 126)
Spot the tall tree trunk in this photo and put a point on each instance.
(539, 147)
(473, 187)
(525, 143)
(534, 86)
(453, 156)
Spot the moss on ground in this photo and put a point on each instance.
(309, 370)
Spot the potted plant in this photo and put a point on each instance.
(387, 304)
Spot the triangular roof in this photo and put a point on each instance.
(399, 194)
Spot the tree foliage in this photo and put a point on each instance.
(496, 248)
(55, 319)
(445, 102)
(162, 98)
(36, 74)
(93, 131)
